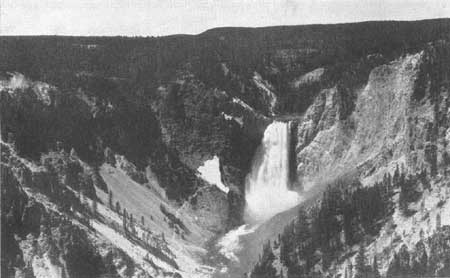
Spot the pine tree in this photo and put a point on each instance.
(264, 268)
(142, 220)
(360, 263)
(376, 272)
(420, 261)
(118, 207)
(438, 221)
(402, 199)
(59, 146)
(394, 267)
(348, 216)
(85, 181)
(124, 219)
(350, 270)
(395, 178)
(404, 261)
(94, 205)
(132, 223)
(110, 199)
(302, 230)
(283, 253)
(446, 158)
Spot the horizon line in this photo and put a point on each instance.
(226, 27)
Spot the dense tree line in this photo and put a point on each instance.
(421, 261)
(411, 187)
(264, 268)
(146, 62)
(347, 213)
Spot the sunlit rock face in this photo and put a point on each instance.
(267, 185)
(379, 130)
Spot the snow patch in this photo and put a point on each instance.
(242, 103)
(210, 172)
(239, 120)
(310, 77)
(225, 69)
(265, 87)
(227, 117)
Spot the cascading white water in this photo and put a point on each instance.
(267, 185)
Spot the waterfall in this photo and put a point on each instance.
(267, 185)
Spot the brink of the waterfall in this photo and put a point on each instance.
(267, 185)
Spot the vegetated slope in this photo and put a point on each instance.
(386, 168)
(58, 221)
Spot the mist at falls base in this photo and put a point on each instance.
(267, 185)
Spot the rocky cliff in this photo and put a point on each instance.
(397, 117)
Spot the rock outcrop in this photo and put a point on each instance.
(388, 125)
(210, 207)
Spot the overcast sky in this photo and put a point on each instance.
(164, 17)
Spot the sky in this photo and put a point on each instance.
(166, 17)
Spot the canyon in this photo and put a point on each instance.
(291, 151)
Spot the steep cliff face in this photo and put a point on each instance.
(389, 125)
